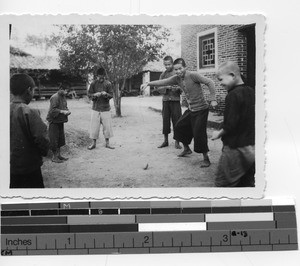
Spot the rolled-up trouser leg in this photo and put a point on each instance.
(95, 125)
(106, 121)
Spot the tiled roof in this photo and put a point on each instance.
(22, 60)
(34, 62)
(17, 51)
(50, 62)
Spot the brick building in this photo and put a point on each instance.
(204, 47)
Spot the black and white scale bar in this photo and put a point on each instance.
(147, 227)
(92, 211)
(58, 229)
(66, 224)
(147, 207)
(150, 242)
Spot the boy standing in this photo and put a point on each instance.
(28, 136)
(101, 92)
(237, 162)
(171, 103)
(58, 115)
(192, 124)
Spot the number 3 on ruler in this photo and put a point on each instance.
(225, 238)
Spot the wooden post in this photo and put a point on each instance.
(130, 84)
(146, 78)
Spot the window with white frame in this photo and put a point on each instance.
(207, 50)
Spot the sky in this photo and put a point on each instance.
(20, 32)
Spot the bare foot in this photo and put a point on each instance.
(177, 145)
(205, 163)
(184, 153)
(164, 144)
(56, 160)
(62, 158)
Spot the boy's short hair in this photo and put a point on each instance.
(168, 58)
(19, 83)
(101, 71)
(65, 85)
(180, 61)
(229, 67)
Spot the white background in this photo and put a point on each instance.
(282, 103)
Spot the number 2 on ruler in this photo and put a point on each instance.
(146, 239)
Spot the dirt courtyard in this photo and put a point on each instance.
(136, 137)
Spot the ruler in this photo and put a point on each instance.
(134, 227)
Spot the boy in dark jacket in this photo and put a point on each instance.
(101, 92)
(171, 109)
(28, 136)
(237, 162)
(58, 115)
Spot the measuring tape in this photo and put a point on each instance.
(127, 227)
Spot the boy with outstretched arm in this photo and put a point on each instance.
(58, 115)
(192, 124)
(237, 162)
(171, 109)
(28, 136)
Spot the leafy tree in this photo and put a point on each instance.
(122, 50)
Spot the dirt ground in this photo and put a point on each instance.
(136, 137)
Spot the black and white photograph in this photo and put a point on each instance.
(89, 93)
(136, 106)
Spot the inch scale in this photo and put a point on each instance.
(150, 242)
(147, 227)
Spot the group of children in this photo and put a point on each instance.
(30, 138)
(236, 166)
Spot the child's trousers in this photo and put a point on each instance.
(98, 118)
(193, 125)
(171, 111)
(236, 167)
(56, 136)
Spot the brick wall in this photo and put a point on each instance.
(231, 46)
